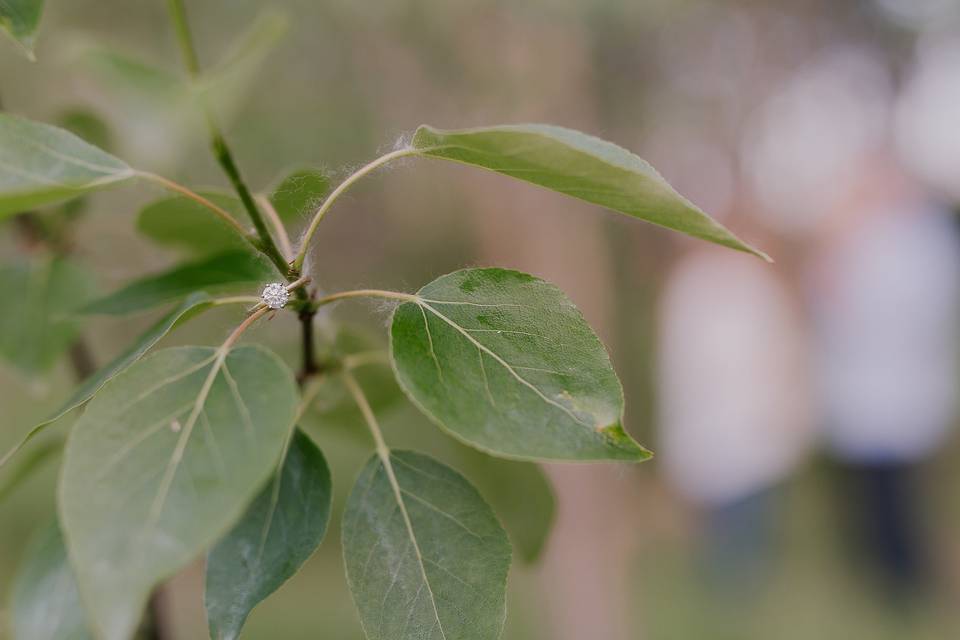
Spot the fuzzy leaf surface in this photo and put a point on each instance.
(39, 326)
(170, 453)
(578, 165)
(217, 273)
(299, 193)
(185, 224)
(506, 363)
(280, 530)
(45, 603)
(425, 556)
(194, 304)
(41, 164)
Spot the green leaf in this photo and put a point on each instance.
(87, 125)
(332, 406)
(506, 363)
(300, 193)
(225, 84)
(518, 492)
(131, 75)
(218, 273)
(38, 327)
(279, 531)
(580, 166)
(424, 554)
(156, 91)
(228, 77)
(151, 97)
(41, 164)
(191, 306)
(27, 466)
(187, 225)
(91, 128)
(45, 604)
(169, 454)
(20, 18)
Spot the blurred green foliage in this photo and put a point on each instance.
(349, 78)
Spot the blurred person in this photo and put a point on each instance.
(734, 403)
(885, 290)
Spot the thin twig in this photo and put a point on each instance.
(336, 193)
(221, 149)
(178, 14)
(235, 335)
(285, 246)
(308, 395)
(374, 356)
(222, 213)
(365, 293)
(237, 300)
(361, 399)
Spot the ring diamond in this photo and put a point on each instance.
(275, 295)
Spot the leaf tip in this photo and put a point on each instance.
(23, 42)
(424, 137)
(746, 247)
(26, 49)
(619, 438)
(762, 255)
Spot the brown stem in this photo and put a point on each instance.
(30, 229)
(156, 627)
(225, 158)
(81, 360)
(308, 359)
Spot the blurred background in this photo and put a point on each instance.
(802, 413)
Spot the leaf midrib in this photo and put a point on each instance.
(541, 136)
(398, 496)
(156, 508)
(78, 162)
(506, 365)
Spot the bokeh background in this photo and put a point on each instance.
(806, 482)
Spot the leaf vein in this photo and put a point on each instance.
(433, 353)
(445, 514)
(508, 367)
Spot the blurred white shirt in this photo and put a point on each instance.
(734, 398)
(887, 323)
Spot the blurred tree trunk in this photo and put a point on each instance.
(585, 570)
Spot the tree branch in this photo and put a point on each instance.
(308, 355)
(221, 151)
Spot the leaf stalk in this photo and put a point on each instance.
(365, 293)
(336, 193)
(221, 213)
(383, 451)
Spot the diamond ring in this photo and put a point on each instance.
(275, 295)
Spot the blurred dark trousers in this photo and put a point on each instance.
(738, 543)
(882, 502)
